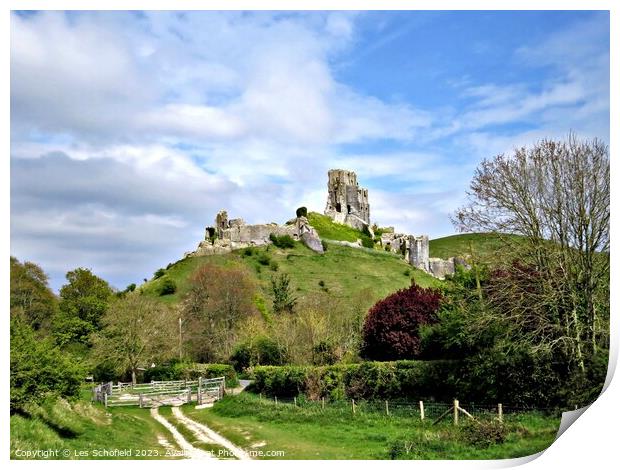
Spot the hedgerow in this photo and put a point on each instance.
(366, 380)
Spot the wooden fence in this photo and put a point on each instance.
(157, 393)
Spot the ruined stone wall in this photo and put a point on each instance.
(234, 234)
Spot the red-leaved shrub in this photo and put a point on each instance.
(391, 327)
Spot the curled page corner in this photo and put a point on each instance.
(568, 418)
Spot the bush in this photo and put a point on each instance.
(105, 372)
(391, 329)
(301, 212)
(285, 241)
(286, 381)
(177, 370)
(248, 251)
(273, 265)
(159, 273)
(167, 287)
(482, 434)
(324, 353)
(517, 378)
(264, 259)
(210, 371)
(324, 245)
(260, 351)
(367, 242)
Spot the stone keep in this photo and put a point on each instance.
(347, 203)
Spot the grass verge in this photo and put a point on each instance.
(82, 430)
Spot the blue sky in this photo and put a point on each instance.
(131, 130)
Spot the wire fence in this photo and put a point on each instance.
(403, 408)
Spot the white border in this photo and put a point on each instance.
(590, 443)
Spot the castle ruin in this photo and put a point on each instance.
(234, 234)
(347, 203)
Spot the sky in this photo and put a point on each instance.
(130, 130)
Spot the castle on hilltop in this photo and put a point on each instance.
(347, 203)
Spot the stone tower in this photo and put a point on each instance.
(347, 203)
(418, 252)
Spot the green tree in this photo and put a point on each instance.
(39, 368)
(283, 299)
(137, 331)
(84, 301)
(31, 298)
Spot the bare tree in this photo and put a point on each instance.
(219, 298)
(136, 331)
(556, 195)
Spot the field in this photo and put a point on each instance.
(304, 433)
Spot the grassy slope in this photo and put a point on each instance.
(330, 230)
(343, 270)
(336, 434)
(82, 426)
(484, 245)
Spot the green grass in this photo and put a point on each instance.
(485, 246)
(81, 429)
(304, 433)
(345, 271)
(327, 228)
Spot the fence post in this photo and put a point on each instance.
(387, 408)
(295, 400)
(353, 405)
(421, 410)
(456, 412)
(322, 403)
(189, 395)
(500, 412)
(199, 391)
(140, 400)
(260, 396)
(105, 399)
(275, 399)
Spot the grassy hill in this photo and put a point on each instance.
(486, 246)
(341, 269)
